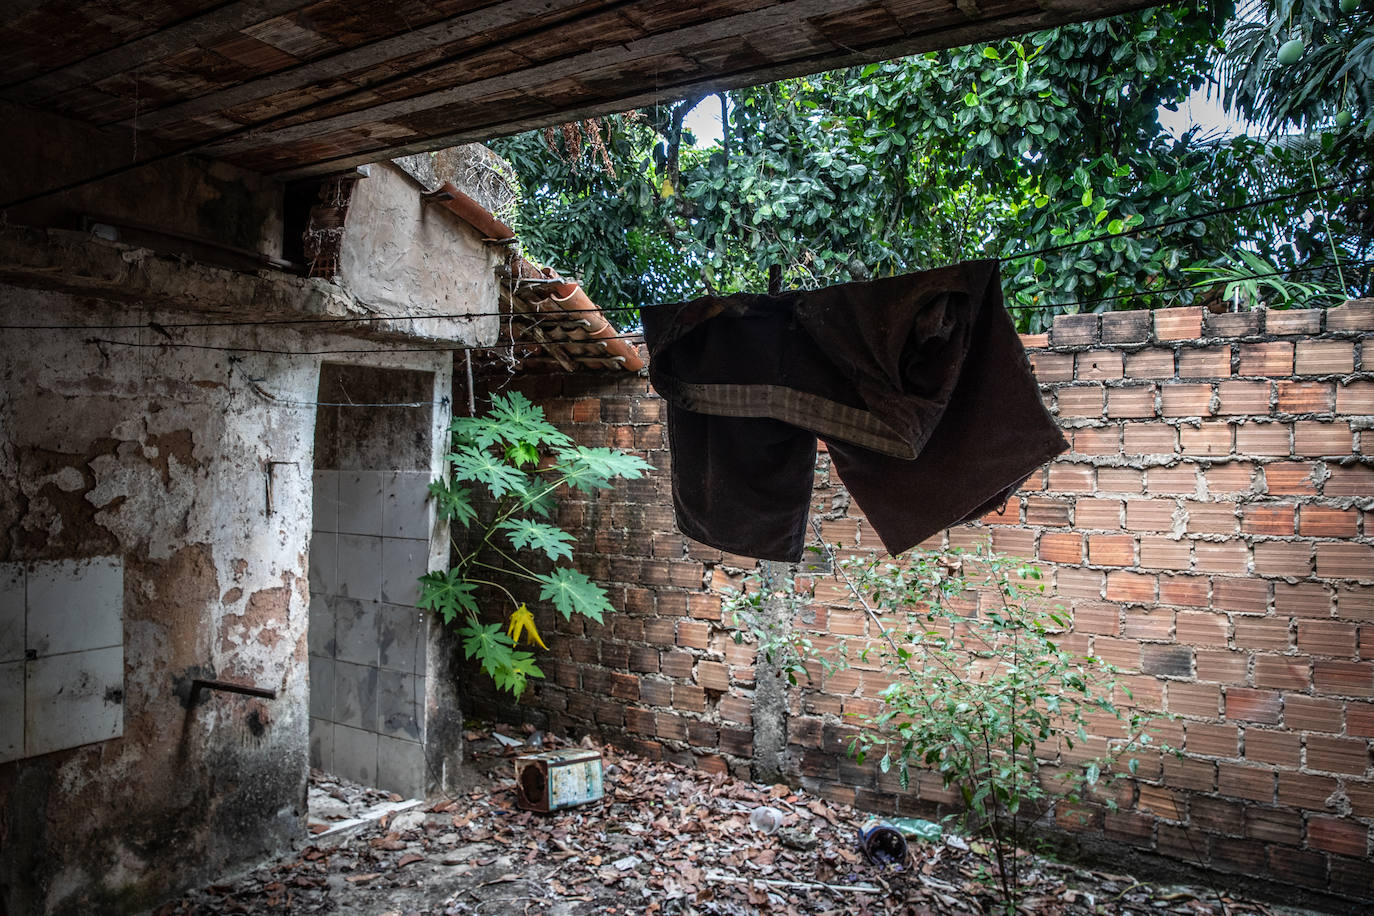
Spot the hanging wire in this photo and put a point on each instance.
(637, 335)
(105, 341)
(1208, 284)
(463, 316)
(1178, 221)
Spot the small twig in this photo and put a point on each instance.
(795, 885)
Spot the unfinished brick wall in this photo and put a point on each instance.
(1210, 530)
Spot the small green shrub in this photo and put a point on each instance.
(982, 693)
(503, 478)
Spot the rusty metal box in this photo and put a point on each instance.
(553, 780)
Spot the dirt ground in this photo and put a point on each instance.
(666, 840)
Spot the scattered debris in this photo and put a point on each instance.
(883, 844)
(664, 840)
(914, 828)
(338, 807)
(766, 819)
(554, 780)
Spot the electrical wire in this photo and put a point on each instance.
(1178, 289)
(635, 335)
(364, 319)
(1178, 220)
(175, 345)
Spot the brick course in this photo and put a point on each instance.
(1209, 532)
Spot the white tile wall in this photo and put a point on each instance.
(61, 655)
(321, 687)
(321, 628)
(400, 699)
(12, 640)
(322, 744)
(11, 711)
(355, 754)
(360, 566)
(355, 696)
(355, 629)
(75, 605)
(403, 636)
(406, 508)
(326, 501)
(401, 767)
(370, 543)
(360, 502)
(324, 563)
(404, 561)
(73, 699)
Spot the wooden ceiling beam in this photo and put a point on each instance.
(967, 31)
(174, 39)
(644, 49)
(356, 59)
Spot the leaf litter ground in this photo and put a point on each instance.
(666, 840)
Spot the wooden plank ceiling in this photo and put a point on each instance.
(295, 88)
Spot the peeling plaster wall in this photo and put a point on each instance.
(397, 250)
(157, 456)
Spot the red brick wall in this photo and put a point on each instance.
(1212, 531)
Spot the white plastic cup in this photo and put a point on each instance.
(766, 819)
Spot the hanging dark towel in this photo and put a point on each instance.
(917, 384)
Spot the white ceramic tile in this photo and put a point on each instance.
(404, 561)
(360, 502)
(406, 508)
(322, 744)
(73, 699)
(11, 612)
(321, 688)
(355, 630)
(400, 698)
(355, 696)
(401, 634)
(325, 508)
(75, 605)
(360, 567)
(324, 563)
(400, 767)
(11, 711)
(320, 627)
(355, 754)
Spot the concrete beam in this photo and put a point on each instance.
(76, 263)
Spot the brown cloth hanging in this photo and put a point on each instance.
(918, 385)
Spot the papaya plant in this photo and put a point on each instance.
(503, 477)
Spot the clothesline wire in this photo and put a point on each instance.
(638, 335)
(458, 348)
(1353, 265)
(1176, 221)
(635, 335)
(364, 319)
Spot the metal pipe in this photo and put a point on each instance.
(230, 687)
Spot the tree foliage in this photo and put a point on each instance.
(988, 701)
(995, 149)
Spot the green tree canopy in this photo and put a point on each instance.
(997, 149)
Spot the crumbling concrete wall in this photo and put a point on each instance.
(196, 197)
(398, 250)
(164, 457)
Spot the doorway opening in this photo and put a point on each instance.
(370, 543)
